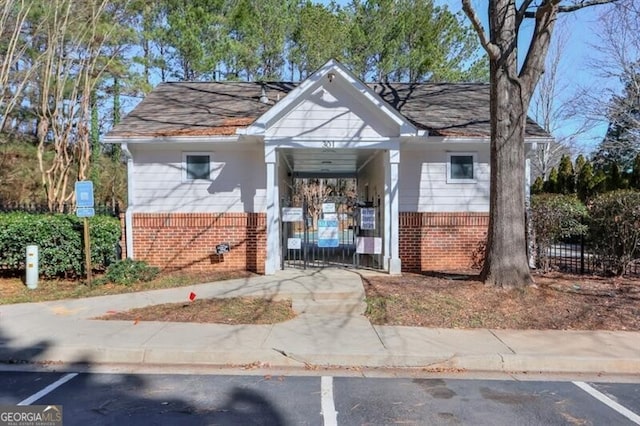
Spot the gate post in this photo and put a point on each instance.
(272, 261)
(391, 217)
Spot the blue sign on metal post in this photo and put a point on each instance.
(84, 194)
(85, 212)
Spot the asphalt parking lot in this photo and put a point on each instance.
(204, 399)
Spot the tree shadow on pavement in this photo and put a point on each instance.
(93, 397)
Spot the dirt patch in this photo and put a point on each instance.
(237, 310)
(557, 301)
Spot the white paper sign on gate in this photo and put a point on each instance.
(292, 214)
(294, 243)
(369, 245)
(328, 207)
(368, 218)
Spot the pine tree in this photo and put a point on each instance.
(566, 176)
(580, 162)
(599, 183)
(538, 186)
(584, 182)
(634, 180)
(551, 185)
(614, 178)
(622, 140)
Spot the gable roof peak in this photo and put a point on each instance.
(332, 70)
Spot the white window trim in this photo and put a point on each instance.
(475, 167)
(184, 166)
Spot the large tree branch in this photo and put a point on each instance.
(522, 11)
(533, 65)
(492, 50)
(571, 7)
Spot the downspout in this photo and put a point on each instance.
(128, 216)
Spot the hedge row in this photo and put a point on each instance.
(610, 222)
(60, 242)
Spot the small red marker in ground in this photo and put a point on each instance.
(192, 296)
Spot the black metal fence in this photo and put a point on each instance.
(101, 209)
(578, 258)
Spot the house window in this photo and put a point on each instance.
(196, 166)
(461, 167)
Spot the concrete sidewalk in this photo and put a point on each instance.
(330, 331)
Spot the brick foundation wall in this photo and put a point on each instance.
(441, 241)
(187, 241)
(174, 241)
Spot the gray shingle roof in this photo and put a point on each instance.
(219, 108)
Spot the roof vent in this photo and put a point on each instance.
(263, 96)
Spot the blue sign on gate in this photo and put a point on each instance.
(328, 233)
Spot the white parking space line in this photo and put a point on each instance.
(328, 406)
(36, 396)
(608, 401)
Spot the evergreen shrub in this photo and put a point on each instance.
(615, 229)
(59, 238)
(555, 217)
(128, 271)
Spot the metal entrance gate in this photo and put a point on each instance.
(330, 233)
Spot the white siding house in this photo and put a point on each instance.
(211, 162)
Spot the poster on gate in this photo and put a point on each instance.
(368, 218)
(294, 243)
(292, 214)
(328, 207)
(368, 245)
(328, 233)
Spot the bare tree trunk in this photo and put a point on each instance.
(506, 263)
(13, 20)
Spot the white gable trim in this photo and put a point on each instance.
(170, 139)
(335, 68)
(469, 140)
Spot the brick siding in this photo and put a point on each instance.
(187, 241)
(441, 241)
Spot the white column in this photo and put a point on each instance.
(272, 261)
(391, 226)
(128, 215)
(527, 206)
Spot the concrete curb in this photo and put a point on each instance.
(272, 358)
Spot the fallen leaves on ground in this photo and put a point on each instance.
(557, 301)
(234, 311)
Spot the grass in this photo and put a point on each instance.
(377, 308)
(13, 289)
(240, 310)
